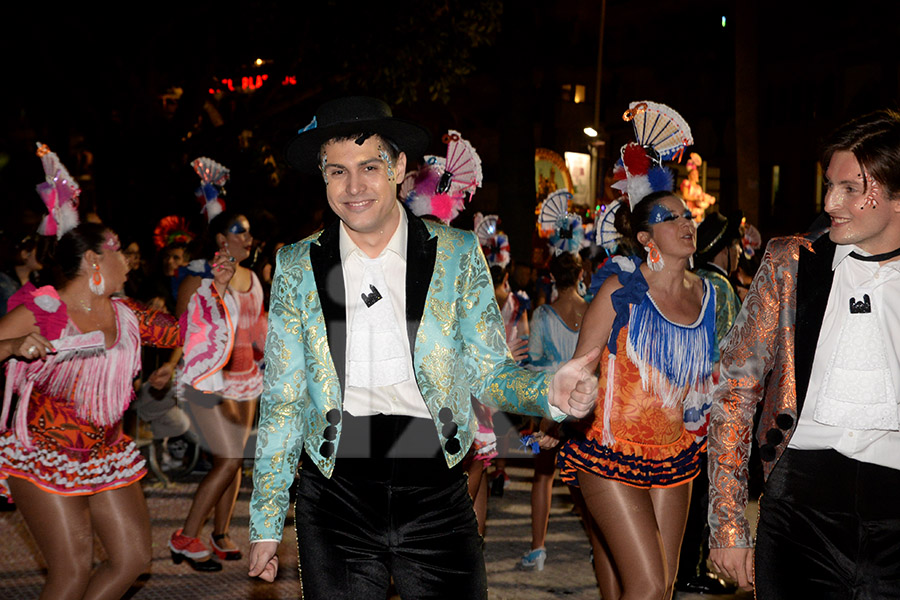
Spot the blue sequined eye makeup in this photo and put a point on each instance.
(236, 228)
(660, 214)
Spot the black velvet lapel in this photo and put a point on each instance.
(326, 264)
(814, 277)
(421, 251)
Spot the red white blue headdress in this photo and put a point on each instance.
(443, 186)
(661, 134)
(565, 228)
(59, 191)
(494, 242)
(213, 177)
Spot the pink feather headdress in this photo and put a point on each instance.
(59, 191)
(444, 185)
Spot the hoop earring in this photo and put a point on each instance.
(654, 258)
(96, 283)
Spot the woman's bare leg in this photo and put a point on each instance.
(627, 522)
(604, 571)
(671, 506)
(222, 431)
(541, 496)
(122, 522)
(61, 528)
(477, 482)
(244, 414)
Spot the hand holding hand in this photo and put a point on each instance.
(545, 441)
(574, 388)
(548, 434)
(735, 564)
(263, 560)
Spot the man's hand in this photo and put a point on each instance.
(735, 564)
(519, 349)
(573, 389)
(263, 560)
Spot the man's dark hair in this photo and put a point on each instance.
(874, 139)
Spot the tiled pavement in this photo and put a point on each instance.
(567, 573)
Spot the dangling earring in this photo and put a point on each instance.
(97, 285)
(654, 258)
(691, 262)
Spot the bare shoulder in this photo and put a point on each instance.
(610, 285)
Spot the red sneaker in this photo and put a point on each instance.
(192, 550)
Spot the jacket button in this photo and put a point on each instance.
(333, 416)
(449, 430)
(767, 452)
(445, 415)
(774, 436)
(784, 421)
(452, 446)
(326, 449)
(330, 433)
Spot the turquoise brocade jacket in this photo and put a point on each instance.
(454, 327)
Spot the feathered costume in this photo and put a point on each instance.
(650, 426)
(67, 435)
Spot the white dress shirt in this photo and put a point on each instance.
(851, 404)
(401, 397)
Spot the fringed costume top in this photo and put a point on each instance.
(649, 425)
(67, 433)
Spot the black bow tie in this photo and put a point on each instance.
(876, 257)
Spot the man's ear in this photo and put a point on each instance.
(400, 167)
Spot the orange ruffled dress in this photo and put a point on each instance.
(652, 447)
(653, 443)
(67, 436)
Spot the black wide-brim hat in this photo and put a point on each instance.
(349, 116)
(716, 232)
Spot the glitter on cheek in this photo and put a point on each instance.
(322, 167)
(873, 192)
(387, 160)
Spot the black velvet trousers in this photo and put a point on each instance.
(829, 529)
(377, 518)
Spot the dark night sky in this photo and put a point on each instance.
(95, 76)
